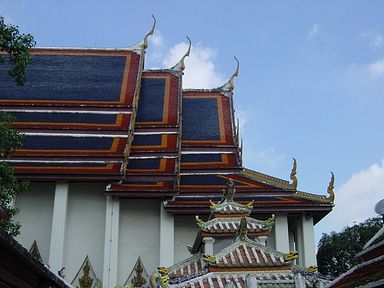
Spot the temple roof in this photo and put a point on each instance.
(97, 115)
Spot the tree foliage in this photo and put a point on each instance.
(17, 46)
(9, 184)
(336, 251)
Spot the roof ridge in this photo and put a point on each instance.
(267, 179)
(311, 196)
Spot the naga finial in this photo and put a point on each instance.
(229, 191)
(145, 41)
(331, 196)
(181, 65)
(293, 174)
(229, 86)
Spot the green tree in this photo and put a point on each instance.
(9, 184)
(17, 46)
(336, 251)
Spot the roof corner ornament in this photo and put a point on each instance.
(250, 204)
(270, 221)
(145, 40)
(181, 65)
(293, 175)
(229, 86)
(213, 204)
(199, 222)
(331, 196)
(291, 255)
(209, 259)
(160, 278)
(229, 191)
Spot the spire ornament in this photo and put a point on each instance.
(331, 196)
(229, 86)
(242, 232)
(181, 65)
(293, 175)
(229, 191)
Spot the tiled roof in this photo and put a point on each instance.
(231, 225)
(248, 253)
(239, 280)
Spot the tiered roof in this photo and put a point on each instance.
(226, 217)
(234, 264)
(98, 115)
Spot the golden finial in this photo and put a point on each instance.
(229, 86)
(293, 174)
(213, 204)
(331, 196)
(145, 41)
(181, 65)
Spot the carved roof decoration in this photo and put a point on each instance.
(143, 44)
(180, 66)
(138, 276)
(85, 276)
(34, 250)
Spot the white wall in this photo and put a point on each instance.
(85, 228)
(139, 235)
(185, 232)
(36, 206)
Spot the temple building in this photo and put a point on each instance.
(121, 159)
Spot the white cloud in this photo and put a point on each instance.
(313, 32)
(269, 159)
(157, 39)
(200, 70)
(374, 39)
(356, 198)
(377, 41)
(376, 69)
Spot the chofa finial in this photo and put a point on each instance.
(331, 196)
(145, 41)
(293, 174)
(181, 65)
(229, 86)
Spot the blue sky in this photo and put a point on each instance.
(310, 86)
